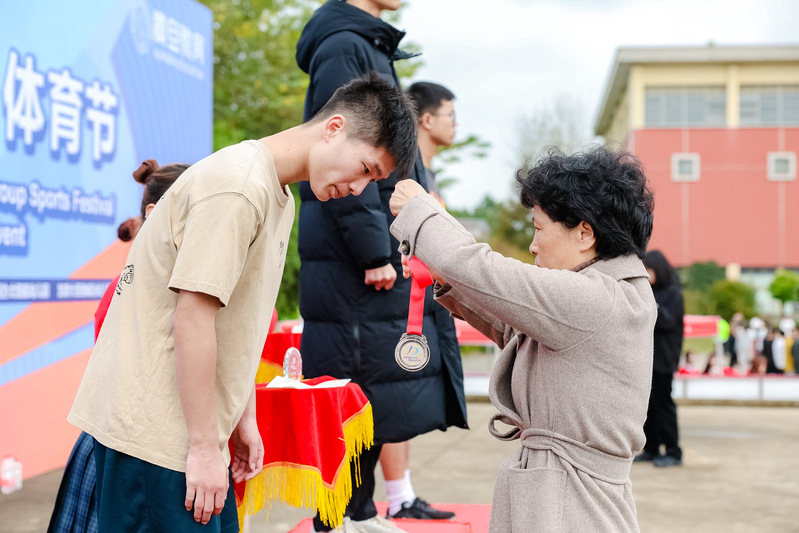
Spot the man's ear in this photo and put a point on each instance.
(335, 125)
(147, 209)
(426, 121)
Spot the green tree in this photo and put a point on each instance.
(700, 276)
(697, 280)
(259, 90)
(730, 297)
(785, 286)
(512, 230)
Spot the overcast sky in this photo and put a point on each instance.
(509, 58)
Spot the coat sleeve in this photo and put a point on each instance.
(555, 307)
(338, 59)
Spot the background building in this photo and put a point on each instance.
(717, 129)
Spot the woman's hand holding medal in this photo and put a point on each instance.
(404, 191)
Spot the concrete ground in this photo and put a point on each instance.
(740, 474)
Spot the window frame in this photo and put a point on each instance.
(771, 161)
(696, 161)
(780, 92)
(682, 99)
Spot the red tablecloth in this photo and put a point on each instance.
(310, 438)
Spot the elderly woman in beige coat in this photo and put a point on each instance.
(573, 380)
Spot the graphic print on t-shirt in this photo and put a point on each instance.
(127, 277)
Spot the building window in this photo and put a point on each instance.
(769, 105)
(781, 166)
(699, 106)
(685, 167)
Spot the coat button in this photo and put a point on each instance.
(405, 248)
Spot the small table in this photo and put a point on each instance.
(311, 437)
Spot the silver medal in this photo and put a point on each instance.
(412, 352)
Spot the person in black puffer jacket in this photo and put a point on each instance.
(352, 300)
(661, 417)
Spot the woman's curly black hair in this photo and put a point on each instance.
(607, 190)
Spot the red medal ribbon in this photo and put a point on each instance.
(421, 279)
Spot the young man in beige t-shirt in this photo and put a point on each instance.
(171, 377)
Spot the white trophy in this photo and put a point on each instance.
(292, 364)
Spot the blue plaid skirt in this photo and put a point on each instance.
(75, 510)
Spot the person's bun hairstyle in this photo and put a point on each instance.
(128, 229)
(146, 169)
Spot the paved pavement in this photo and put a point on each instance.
(741, 475)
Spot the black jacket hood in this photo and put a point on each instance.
(336, 16)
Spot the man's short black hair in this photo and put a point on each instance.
(607, 190)
(377, 114)
(427, 96)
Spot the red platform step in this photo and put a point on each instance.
(469, 518)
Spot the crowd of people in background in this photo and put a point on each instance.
(754, 347)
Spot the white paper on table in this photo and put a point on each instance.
(281, 382)
(332, 384)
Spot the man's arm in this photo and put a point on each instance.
(194, 326)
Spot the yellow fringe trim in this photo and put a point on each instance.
(267, 371)
(302, 486)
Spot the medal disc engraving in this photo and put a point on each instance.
(412, 353)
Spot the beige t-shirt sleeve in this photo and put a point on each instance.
(213, 246)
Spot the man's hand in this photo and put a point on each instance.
(248, 448)
(382, 277)
(206, 482)
(404, 191)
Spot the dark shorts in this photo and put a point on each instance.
(137, 496)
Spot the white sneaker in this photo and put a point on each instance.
(376, 524)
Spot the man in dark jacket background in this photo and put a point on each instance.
(661, 417)
(353, 303)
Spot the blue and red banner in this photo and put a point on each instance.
(88, 90)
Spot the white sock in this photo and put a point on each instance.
(399, 491)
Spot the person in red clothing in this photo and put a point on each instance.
(75, 510)
(156, 181)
